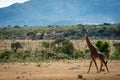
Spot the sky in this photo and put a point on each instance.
(5, 3)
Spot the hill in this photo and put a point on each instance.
(61, 12)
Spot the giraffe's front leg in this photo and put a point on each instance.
(90, 66)
(96, 65)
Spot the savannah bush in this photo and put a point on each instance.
(4, 56)
(103, 47)
(116, 54)
(78, 55)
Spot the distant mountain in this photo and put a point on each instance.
(61, 12)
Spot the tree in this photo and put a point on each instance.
(16, 26)
(31, 35)
(106, 23)
(15, 46)
(103, 47)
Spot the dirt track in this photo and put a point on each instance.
(62, 70)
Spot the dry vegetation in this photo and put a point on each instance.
(32, 45)
(62, 70)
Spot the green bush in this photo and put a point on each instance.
(78, 54)
(22, 56)
(68, 48)
(116, 54)
(61, 56)
(64, 46)
(4, 56)
(60, 48)
(103, 47)
(87, 54)
(116, 45)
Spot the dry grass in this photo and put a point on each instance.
(33, 45)
(62, 70)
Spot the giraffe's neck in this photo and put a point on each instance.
(91, 47)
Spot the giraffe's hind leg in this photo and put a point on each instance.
(106, 65)
(101, 65)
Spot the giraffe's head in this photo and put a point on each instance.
(84, 33)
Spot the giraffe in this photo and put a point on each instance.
(94, 55)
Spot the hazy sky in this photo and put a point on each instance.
(4, 3)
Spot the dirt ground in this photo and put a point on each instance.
(58, 70)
